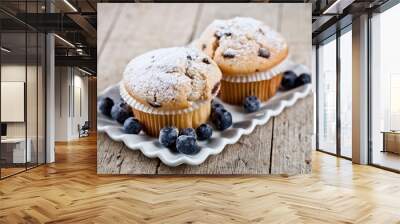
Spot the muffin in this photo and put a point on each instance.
(171, 87)
(250, 55)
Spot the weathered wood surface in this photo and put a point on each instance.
(139, 28)
(292, 135)
(127, 30)
(132, 29)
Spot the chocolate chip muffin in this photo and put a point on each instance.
(250, 55)
(171, 87)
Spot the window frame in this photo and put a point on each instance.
(29, 29)
(334, 37)
(381, 9)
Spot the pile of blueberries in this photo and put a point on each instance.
(122, 113)
(185, 140)
(290, 80)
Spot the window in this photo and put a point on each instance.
(327, 97)
(346, 93)
(14, 153)
(329, 112)
(22, 77)
(385, 89)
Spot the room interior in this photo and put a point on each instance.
(49, 91)
(72, 103)
(26, 96)
(333, 55)
(22, 102)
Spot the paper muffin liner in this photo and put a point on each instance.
(261, 76)
(153, 123)
(154, 119)
(263, 85)
(236, 92)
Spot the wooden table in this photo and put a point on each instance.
(127, 30)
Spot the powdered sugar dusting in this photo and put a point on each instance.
(244, 34)
(171, 76)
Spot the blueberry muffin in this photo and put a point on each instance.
(250, 55)
(171, 87)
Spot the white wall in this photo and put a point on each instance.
(70, 83)
(80, 108)
(61, 103)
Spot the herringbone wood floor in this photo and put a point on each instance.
(69, 191)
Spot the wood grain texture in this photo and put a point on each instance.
(115, 158)
(110, 15)
(70, 191)
(123, 34)
(292, 135)
(140, 28)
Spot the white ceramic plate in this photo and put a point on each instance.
(243, 124)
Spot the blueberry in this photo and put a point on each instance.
(303, 79)
(187, 144)
(132, 126)
(204, 132)
(251, 104)
(206, 61)
(288, 80)
(105, 106)
(188, 131)
(264, 52)
(215, 107)
(127, 107)
(222, 119)
(228, 54)
(168, 136)
(121, 112)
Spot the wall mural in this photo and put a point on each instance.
(204, 89)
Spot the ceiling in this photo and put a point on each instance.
(75, 23)
(331, 15)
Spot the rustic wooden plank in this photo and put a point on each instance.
(251, 155)
(298, 34)
(115, 158)
(296, 22)
(140, 28)
(291, 146)
(301, 53)
(107, 17)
